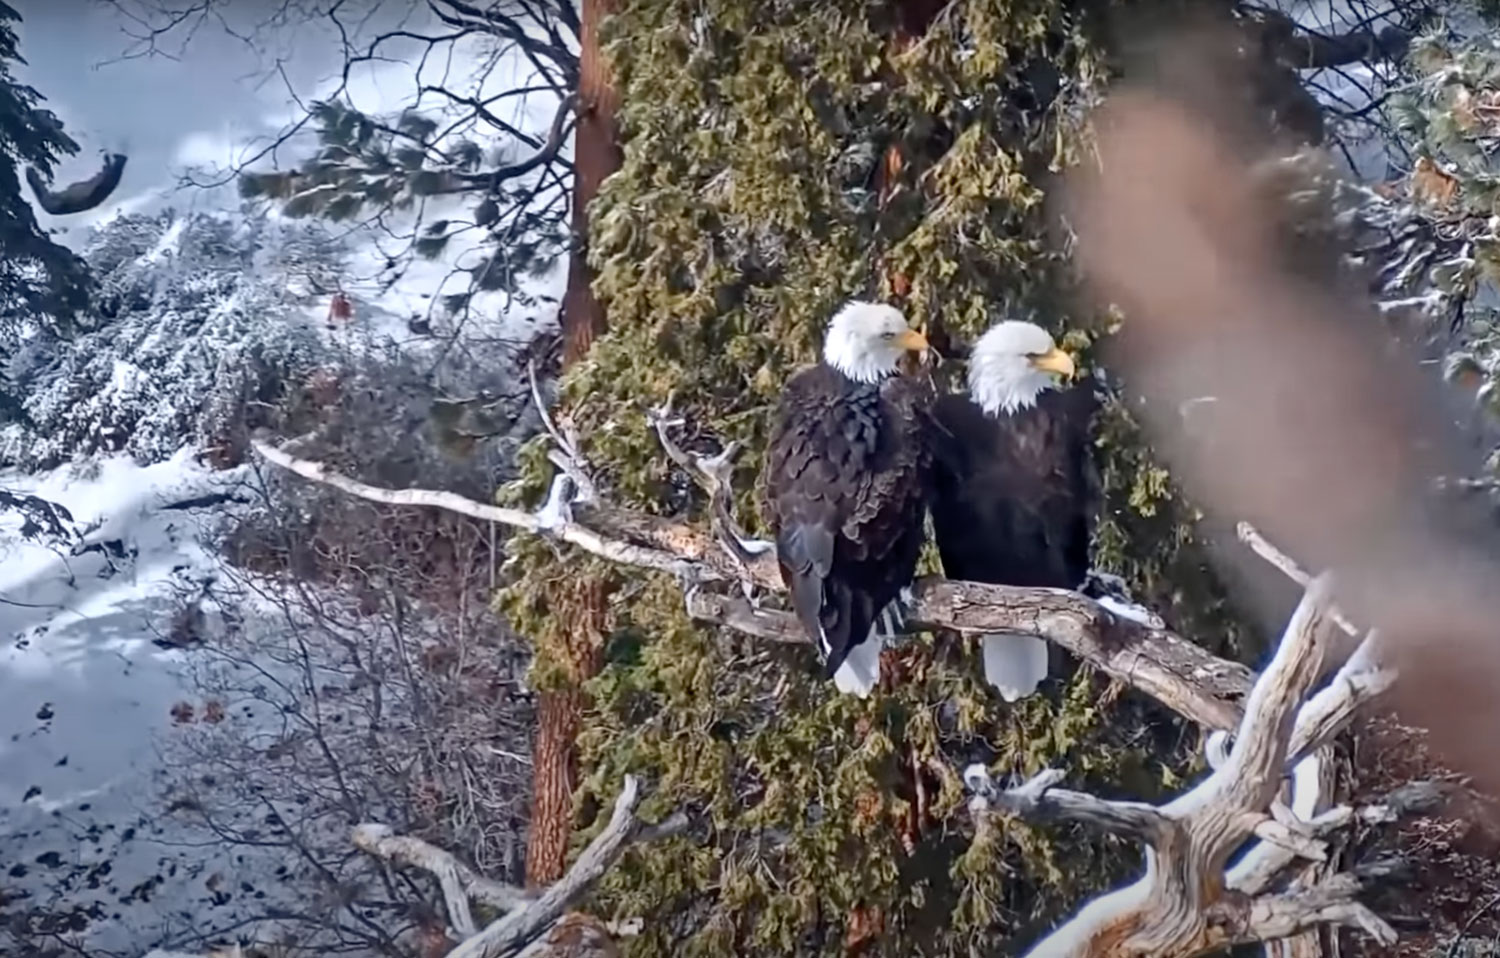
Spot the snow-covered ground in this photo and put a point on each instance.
(91, 700)
(89, 695)
(86, 695)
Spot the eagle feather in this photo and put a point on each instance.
(844, 488)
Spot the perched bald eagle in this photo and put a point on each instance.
(1014, 489)
(844, 488)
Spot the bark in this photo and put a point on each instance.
(581, 606)
(596, 154)
(554, 776)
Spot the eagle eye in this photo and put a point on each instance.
(888, 334)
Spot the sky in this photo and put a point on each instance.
(200, 97)
(184, 105)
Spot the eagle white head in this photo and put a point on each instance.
(1011, 364)
(866, 341)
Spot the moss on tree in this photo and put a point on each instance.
(744, 213)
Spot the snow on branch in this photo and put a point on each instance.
(628, 538)
(1175, 671)
(1187, 903)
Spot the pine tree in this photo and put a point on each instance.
(779, 158)
(40, 280)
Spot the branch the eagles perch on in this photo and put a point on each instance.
(1188, 902)
(1170, 668)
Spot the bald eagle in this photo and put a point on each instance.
(844, 488)
(1014, 489)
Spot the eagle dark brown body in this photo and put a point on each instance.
(1014, 497)
(844, 489)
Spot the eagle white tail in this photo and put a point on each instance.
(860, 671)
(1014, 664)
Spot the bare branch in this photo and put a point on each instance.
(712, 474)
(1166, 666)
(460, 883)
(613, 549)
(1262, 547)
(1280, 916)
(1037, 801)
(546, 153)
(1253, 772)
(1185, 904)
(1361, 680)
(511, 933)
(529, 916)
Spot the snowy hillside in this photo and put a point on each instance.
(85, 695)
(135, 658)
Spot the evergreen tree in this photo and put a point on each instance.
(778, 159)
(40, 280)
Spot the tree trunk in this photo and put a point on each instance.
(596, 154)
(580, 609)
(555, 770)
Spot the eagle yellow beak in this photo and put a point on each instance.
(1055, 361)
(913, 341)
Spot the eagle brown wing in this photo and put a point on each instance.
(844, 489)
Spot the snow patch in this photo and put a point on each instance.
(1130, 610)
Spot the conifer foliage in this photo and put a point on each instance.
(751, 202)
(40, 280)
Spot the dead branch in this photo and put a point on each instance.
(1038, 801)
(1262, 547)
(1186, 904)
(1166, 666)
(627, 538)
(712, 474)
(1179, 674)
(528, 916)
(459, 882)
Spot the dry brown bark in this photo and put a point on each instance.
(580, 607)
(553, 777)
(596, 154)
